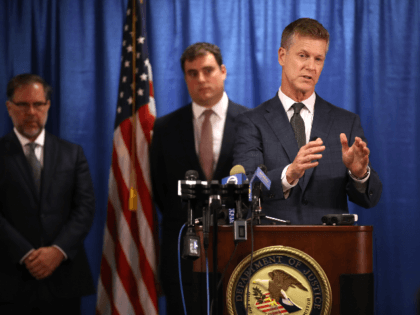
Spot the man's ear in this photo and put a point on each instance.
(8, 105)
(281, 55)
(224, 71)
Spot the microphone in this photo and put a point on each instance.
(237, 176)
(239, 179)
(191, 248)
(258, 181)
(190, 176)
(258, 185)
(258, 177)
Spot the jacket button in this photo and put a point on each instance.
(305, 202)
(271, 196)
(370, 193)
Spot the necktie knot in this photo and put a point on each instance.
(297, 107)
(207, 113)
(32, 146)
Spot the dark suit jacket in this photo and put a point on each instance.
(61, 215)
(266, 137)
(172, 154)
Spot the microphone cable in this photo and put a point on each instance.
(179, 268)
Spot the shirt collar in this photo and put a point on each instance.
(220, 108)
(288, 102)
(40, 140)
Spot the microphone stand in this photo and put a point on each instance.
(213, 191)
(256, 208)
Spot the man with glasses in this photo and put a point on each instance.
(46, 209)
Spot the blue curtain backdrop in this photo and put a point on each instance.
(372, 69)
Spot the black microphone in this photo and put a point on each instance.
(191, 248)
(190, 176)
(238, 177)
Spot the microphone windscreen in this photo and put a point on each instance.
(237, 169)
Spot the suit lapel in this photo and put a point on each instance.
(17, 157)
(320, 129)
(50, 151)
(279, 122)
(186, 128)
(227, 148)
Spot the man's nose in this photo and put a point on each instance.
(31, 109)
(310, 64)
(201, 76)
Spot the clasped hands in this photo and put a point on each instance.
(355, 158)
(42, 262)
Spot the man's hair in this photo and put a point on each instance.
(304, 27)
(201, 49)
(25, 79)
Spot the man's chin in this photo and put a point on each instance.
(31, 134)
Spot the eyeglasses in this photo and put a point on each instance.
(26, 106)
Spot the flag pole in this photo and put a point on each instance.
(132, 203)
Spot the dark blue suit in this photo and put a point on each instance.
(172, 154)
(266, 137)
(61, 215)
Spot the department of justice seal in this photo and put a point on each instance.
(282, 280)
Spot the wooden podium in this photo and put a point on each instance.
(339, 250)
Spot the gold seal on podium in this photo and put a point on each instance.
(281, 280)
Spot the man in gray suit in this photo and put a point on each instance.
(304, 141)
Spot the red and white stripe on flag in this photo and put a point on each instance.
(129, 265)
(270, 306)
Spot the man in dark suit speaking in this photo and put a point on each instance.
(199, 137)
(46, 209)
(304, 141)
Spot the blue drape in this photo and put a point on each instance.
(372, 69)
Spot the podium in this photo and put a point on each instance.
(343, 252)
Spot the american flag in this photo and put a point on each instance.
(129, 266)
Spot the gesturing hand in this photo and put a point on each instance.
(305, 159)
(42, 262)
(356, 157)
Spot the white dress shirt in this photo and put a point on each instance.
(307, 114)
(217, 121)
(39, 150)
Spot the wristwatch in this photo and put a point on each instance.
(363, 177)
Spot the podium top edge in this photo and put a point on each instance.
(302, 228)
